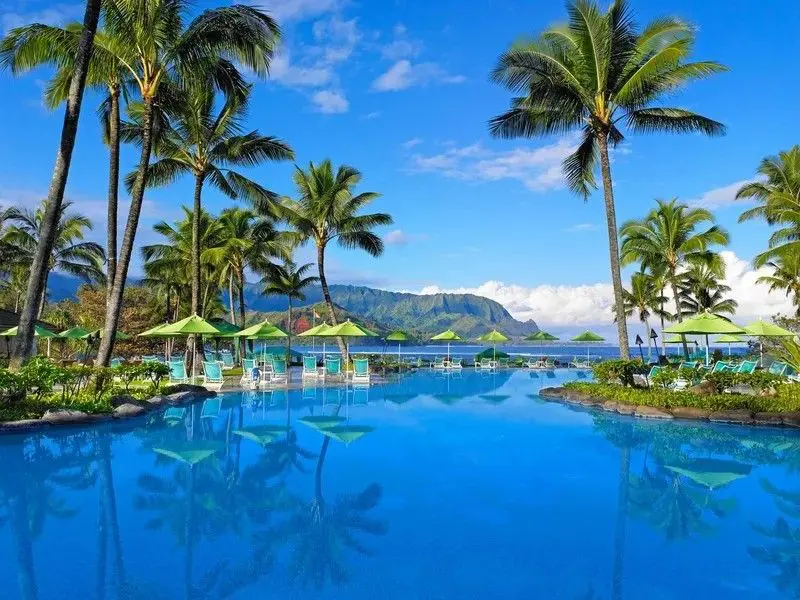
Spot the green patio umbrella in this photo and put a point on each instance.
(347, 329)
(262, 331)
(315, 332)
(397, 336)
(493, 337)
(447, 336)
(673, 339)
(98, 333)
(74, 333)
(192, 325)
(730, 339)
(156, 331)
(762, 329)
(590, 337)
(38, 331)
(705, 323)
(541, 336)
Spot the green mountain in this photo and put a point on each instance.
(426, 315)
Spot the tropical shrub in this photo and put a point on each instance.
(39, 375)
(664, 378)
(619, 369)
(758, 381)
(13, 387)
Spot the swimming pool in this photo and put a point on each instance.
(432, 486)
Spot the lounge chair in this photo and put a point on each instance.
(211, 408)
(280, 373)
(439, 363)
(333, 367)
(310, 370)
(654, 370)
(248, 370)
(150, 358)
(115, 362)
(487, 364)
(360, 370)
(212, 375)
(747, 367)
(175, 414)
(502, 363)
(580, 363)
(455, 364)
(721, 366)
(227, 360)
(177, 372)
(778, 368)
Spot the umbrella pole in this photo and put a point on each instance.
(729, 349)
(706, 349)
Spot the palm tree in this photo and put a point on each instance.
(36, 45)
(591, 75)
(288, 280)
(644, 299)
(166, 59)
(785, 276)
(70, 252)
(667, 241)
(58, 182)
(327, 210)
(778, 197)
(701, 291)
(207, 145)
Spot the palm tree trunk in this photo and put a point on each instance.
(242, 308)
(661, 317)
(679, 316)
(327, 295)
(23, 342)
(613, 246)
(113, 192)
(195, 301)
(232, 310)
(621, 525)
(649, 341)
(126, 248)
(43, 298)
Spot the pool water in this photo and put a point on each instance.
(432, 486)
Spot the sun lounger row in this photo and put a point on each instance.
(332, 369)
(446, 364)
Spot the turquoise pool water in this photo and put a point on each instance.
(451, 487)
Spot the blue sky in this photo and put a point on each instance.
(400, 90)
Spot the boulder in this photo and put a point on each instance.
(650, 412)
(739, 416)
(197, 390)
(63, 416)
(689, 412)
(704, 388)
(552, 392)
(23, 425)
(610, 406)
(791, 419)
(626, 409)
(128, 410)
(126, 399)
(767, 418)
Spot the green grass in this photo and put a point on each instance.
(786, 400)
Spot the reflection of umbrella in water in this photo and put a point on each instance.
(400, 398)
(346, 433)
(262, 434)
(189, 453)
(711, 473)
(494, 398)
(449, 398)
(321, 421)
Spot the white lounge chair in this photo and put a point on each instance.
(177, 372)
(360, 370)
(487, 364)
(455, 364)
(212, 375)
(439, 363)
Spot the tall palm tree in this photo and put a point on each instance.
(701, 291)
(288, 280)
(785, 276)
(206, 145)
(592, 75)
(71, 253)
(36, 45)
(778, 197)
(166, 59)
(58, 182)
(645, 299)
(667, 241)
(328, 211)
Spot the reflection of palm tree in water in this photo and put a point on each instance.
(322, 531)
(28, 494)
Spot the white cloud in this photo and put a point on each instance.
(581, 227)
(403, 74)
(539, 169)
(401, 46)
(398, 237)
(296, 10)
(337, 38)
(588, 305)
(285, 72)
(372, 115)
(411, 143)
(329, 102)
(57, 14)
(720, 197)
